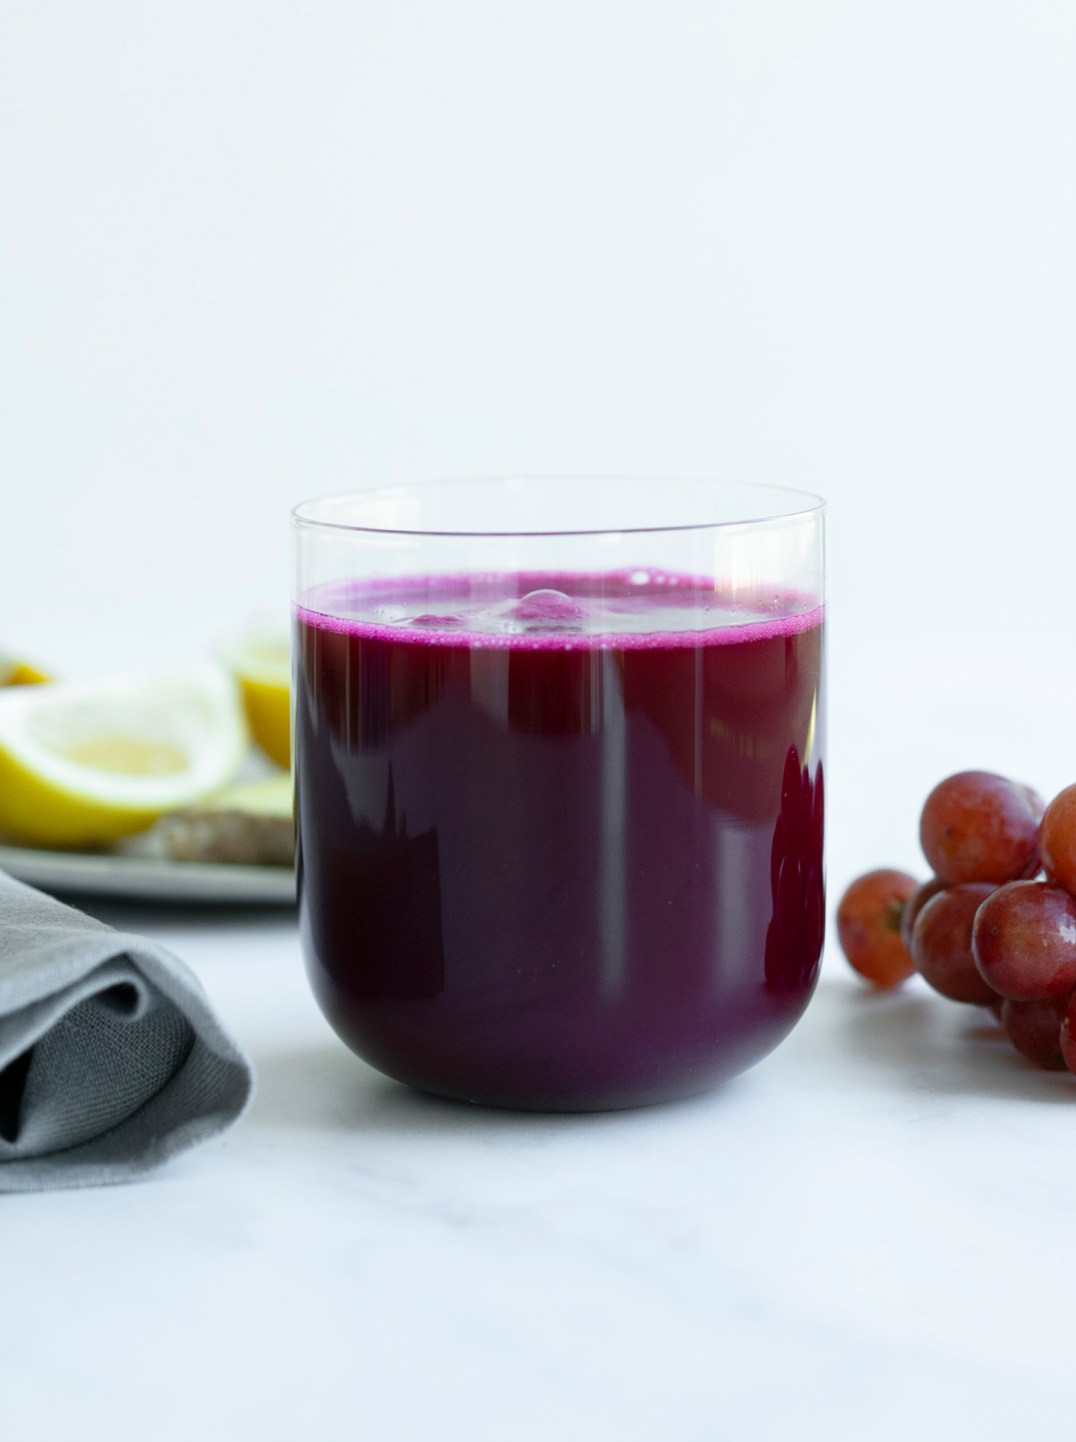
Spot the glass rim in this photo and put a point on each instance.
(302, 519)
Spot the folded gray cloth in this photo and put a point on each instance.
(111, 1058)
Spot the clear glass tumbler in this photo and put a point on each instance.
(558, 758)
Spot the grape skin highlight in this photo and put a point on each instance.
(976, 826)
(1024, 940)
(941, 944)
(1057, 839)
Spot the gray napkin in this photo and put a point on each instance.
(111, 1058)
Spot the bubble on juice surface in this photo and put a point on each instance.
(429, 622)
(547, 607)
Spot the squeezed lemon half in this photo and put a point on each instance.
(263, 669)
(83, 763)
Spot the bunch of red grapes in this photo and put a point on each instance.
(983, 929)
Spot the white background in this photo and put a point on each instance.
(251, 253)
(255, 252)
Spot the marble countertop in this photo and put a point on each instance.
(868, 1235)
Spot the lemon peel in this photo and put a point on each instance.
(15, 672)
(262, 667)
(83, 763)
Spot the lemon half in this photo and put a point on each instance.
(83, 763)
(262, 667)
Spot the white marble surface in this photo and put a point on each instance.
(867, 1236)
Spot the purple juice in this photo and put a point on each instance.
(560, 837)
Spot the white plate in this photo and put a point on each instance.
(148, 878)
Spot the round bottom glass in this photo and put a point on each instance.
(560, 792)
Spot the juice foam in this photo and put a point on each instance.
(558, 611)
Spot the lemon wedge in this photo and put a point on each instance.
(14, 672)
(261, 665)
(83, 763)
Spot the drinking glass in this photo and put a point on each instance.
(559, 780)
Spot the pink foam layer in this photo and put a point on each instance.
(761, 630)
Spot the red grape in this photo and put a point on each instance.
(941, 944)
(869, 925)
(914, 905)
(1068, 1032)
(977, 826)
(1038, 805)
(1025, 941)
(1057, 839)
(1034, 1028)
